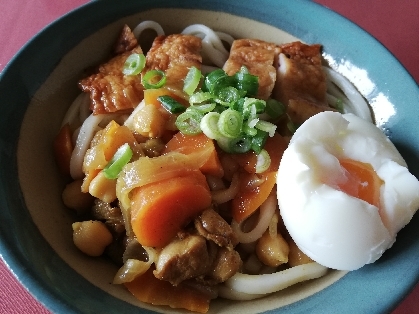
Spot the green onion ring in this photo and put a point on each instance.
(134, 64)
(152, 76)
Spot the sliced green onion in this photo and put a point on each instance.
(209, 125)
(189, 121)
(217, 80)
(247, 82)
(252, 122)
(171, 105)
(192, 80)
(212, 78)
(227, 95)
(259, 140)
(266, 126)
(263, 161)
(253, 106)
(118, 161)
(238, 145)
(200, 97)
(134, 64)
(274, 108)
(205, 107)
(154, 79)
(249, 130)
(230, 123)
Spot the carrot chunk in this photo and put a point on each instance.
(249, 198)
(149, 289)
(187, 144)
(159, 210)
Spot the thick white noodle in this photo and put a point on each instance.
(214, 55)
(215, 183)
(80, 104)
(225, 195)
(360, 106)
(230, 294)
(225, 37)
(212, 46)
(85, 135)
(267, 210)
(148, 25)
(269, 283)
(332, 100)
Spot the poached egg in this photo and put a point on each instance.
(344, 191)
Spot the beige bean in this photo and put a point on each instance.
(296, 256)
(75, 199)
(272, 250)
(91, 237)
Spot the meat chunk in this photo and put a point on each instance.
(259, 57)
(111, 215)
(183, 259)
(213, 227)
(300, 74)
(225, 265)
(174, 54)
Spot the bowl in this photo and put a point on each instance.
(40, 82)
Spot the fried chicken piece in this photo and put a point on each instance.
(174, 54)
(259, 57)
(110, 90)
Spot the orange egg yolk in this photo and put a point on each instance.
(362, 181)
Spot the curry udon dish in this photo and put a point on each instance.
(212, 167)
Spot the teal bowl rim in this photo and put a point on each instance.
(375, 288)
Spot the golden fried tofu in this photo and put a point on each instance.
(126, 41)
(259, 57)
(300, 74)
(175, 55)
(110, 90)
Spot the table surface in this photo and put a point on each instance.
(393, 23)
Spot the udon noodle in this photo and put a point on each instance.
(254, 279)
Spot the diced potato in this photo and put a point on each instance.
(103, 188)
(149, 121)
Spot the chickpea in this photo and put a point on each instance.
(272, 250)
(91, 237)
(74, 198)
(296, 256)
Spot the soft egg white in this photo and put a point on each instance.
(333, 228)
